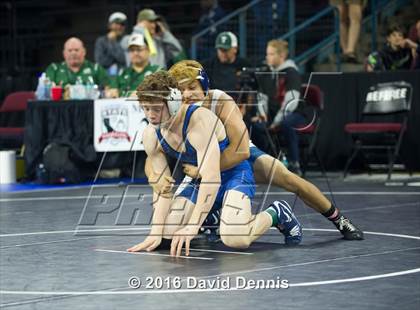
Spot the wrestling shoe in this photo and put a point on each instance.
(287, 223)
(213, 235)
(348, 229)
(210, 228)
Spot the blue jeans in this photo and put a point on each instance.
(259, 137)
(287, 126)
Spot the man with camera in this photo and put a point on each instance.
(163, 45)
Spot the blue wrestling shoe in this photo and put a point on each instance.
(213, 235)
(210, 228)
(287, 223)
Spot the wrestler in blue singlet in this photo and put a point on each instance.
(239, 178)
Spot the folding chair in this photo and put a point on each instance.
(374, 132)
(313, 98)
(14, 102)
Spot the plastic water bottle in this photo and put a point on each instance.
(47, 88)
(41, 89)
(90, 88)
(41, 174)
(78, 91)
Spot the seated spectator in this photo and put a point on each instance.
(397, 54)
(163, 46)
(109, 52)
(75, 68)
(223, 69)
(130, 78)
(278, 101)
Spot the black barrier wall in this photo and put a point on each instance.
(71, 123)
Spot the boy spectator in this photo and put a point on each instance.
(278, 100)
(397, 54)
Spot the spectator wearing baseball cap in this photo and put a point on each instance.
(223, 69)
(163, 45)
(130, 78)
(109, 52)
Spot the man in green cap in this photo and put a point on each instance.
(130, 78)
(223, 69)
(75, 68)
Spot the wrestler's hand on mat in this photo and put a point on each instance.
(162, 185)
(149, 244)
(191, 171)
(184, 235)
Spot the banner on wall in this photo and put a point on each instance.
(118, 125)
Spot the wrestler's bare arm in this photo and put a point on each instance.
(161, 184)
(231, 117)
(202, 137)
(161, 205)
(160, 166)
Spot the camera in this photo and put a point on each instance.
(247, 77)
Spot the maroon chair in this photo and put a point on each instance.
(15, 102)
(375, 131)
(313, 97)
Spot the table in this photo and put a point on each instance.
(68, 122)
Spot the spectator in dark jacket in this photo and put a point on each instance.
(223, 69)
(108, 50)
(397, 54)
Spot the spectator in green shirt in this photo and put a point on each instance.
(76, 68)
(130, 78)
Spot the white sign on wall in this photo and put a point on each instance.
(118, 125)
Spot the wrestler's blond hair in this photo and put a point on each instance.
(185, 71)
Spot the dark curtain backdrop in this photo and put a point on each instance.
(344, 97)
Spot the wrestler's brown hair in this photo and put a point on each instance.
(156, 85)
